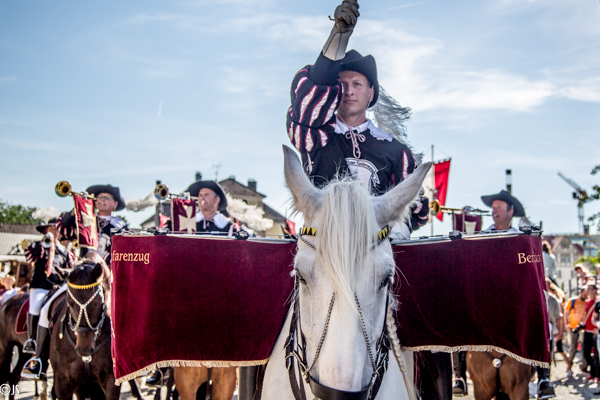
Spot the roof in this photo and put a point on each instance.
(10, 243)
(274, 215)
(234, 188)
(18, 228)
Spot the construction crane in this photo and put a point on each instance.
(580, 195)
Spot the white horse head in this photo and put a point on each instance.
(344, 272)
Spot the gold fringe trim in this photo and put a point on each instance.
(187, 363)
(448, 349)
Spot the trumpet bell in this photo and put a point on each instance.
(161, 192)
(62, 189)
(435, 207)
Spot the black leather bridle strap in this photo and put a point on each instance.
(290, 348)
(324, 392)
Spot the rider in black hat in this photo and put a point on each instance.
(211, 204)
(42, 281)
(346, 82)
(504, 207)
(108, 200)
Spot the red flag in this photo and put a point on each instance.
(183, 215)
(163, 220)
(442, 172)
(87, 230)
(291, 226)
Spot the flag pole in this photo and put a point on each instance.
(433, 186)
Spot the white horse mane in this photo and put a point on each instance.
(346, 231)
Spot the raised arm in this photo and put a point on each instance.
(316, 90)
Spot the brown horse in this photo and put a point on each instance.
(80, 343)
(510, 378)
(9, 340)
(189, 379)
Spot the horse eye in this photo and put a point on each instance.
(300, 278)
(386, 281)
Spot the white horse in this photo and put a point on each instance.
(344, 267)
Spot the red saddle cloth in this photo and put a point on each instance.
(21, 323)
(187, 300)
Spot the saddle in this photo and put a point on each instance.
(21, 321)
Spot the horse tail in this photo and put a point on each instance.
(395, 341)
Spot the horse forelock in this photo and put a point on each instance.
(347, 229)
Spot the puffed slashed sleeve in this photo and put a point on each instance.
(420, 211)
(310, 119)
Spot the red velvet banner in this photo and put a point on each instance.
(183, 215)
(87, 229)
(191, 298)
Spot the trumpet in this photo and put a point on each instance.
(25, 243)
(161, 192)
(47, 240)
(435, 208)
(63, 189)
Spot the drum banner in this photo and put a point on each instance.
(87, 230)
(190, 301)
(474, 294)
(183, 300)
(183, 215)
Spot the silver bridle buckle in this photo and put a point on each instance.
(496, 363)
(86, 359)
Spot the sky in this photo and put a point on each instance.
(128, 93)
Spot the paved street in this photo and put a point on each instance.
(575, 388)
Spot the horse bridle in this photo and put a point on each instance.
(295, 345)
(83, 311)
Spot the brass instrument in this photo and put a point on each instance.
(162, 193)
(25, 243)
(48, 240)
(435, 208)
(63, 189)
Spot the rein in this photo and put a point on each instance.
(295, 345)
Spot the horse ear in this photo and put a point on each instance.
(389, 207)
(97, 272)
(307, 198)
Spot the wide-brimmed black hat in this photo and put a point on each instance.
(519, 211)
(112, 190)
(52, 222)
(354, 61)
(195, 187)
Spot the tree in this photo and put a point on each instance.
(17, 214)
(594, 196)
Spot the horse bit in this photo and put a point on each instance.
(83, 311)
(295, 345)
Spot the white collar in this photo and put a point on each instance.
(377, 133)
(219, 219)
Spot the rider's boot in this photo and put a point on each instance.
(545, 388)
(460, 387)
(33, 367)
(159, 377)
(32, 323)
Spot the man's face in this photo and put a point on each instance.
(356, 96)
(583, 294)
(105, 203)
(591, 292)
(208, 201)
(502, 216)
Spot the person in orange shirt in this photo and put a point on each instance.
(575, 310)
